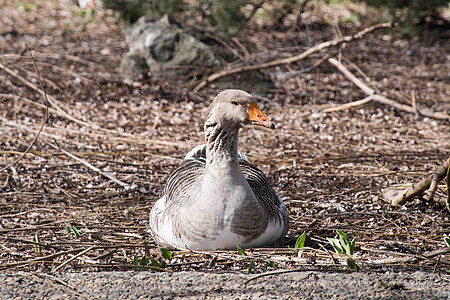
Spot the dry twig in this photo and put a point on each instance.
(349, 105)
(399, 198)
(292, 59)
(38, 259)
(90, 166)
(62, 113)
(382, 99)
(44, 120)
(49, 98)
(72, 258)
(226, 45)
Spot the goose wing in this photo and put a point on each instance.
(267, 197)
(182, 180)
(177, 193)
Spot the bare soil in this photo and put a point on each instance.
(207, 285)
(330, 168)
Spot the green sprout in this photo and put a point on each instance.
(298, 247)
(37, 247)
(269, 263)
(72, 230)
(252, 263)
(344, 246)
(166, 254)
(27, 7)
(154, 262)
(250, 267)
(70, 27)
(240, 251)
(143, 261)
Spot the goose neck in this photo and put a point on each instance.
(221, 143)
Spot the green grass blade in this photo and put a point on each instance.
(143, 261)
(250, 267)
(154, 262)
(336, 245)
(352, 246)
(447, 241)
(37, 239)
(300, 242)
(166, 253)
(345, 243)
(352, 264)
(240, 251)
(68, 230)
(342, 234)
(75, 231)
(135, 262)
(269, 263)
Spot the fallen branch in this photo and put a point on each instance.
(401, 197)
(382, 99)
(292, 59)
(349, 105)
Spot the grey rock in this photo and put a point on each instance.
(161, 49)
(134, 65)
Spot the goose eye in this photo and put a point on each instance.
(234, 103)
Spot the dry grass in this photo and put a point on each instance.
(329, 168)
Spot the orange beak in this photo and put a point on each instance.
(256, 117)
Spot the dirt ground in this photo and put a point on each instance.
(330, 168)
(207, 285)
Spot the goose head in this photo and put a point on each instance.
(234, 109)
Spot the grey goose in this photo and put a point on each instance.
(216, 199)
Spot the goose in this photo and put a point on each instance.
(216, 199)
